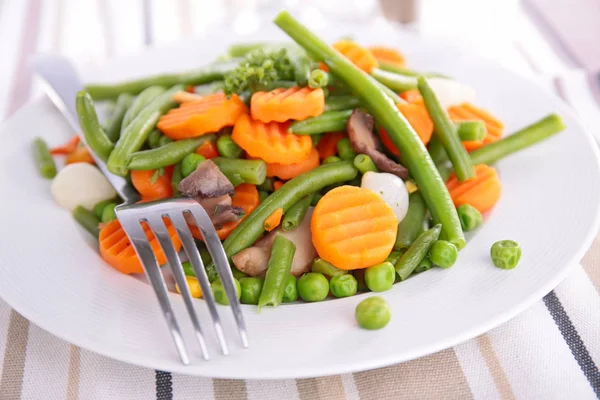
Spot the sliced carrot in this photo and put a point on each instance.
(469, 112)
(289, 171)
(358, 55)
(190, 89)
(481, 192)
(273, 220)
(199, 117)
(69, 147)
(388, 55)
(418, 117)
(246, 196)
(277, 185)
(353, 228)
(412, 96)
(152, 185)
(117, 251)
(270, 142)
(283, 104)
(81, 154)
(208, 149)
(327, 146)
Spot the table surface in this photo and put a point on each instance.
(550, 351)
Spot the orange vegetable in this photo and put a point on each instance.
(277, 185)
(69, 147)
(117, 251)
(388, 55)
(418, 117)
(246, 196)
(184, 96)
(358, 55)
(190, 89)
(283, 104)
(327, 146)
(289, 171)
(199, 117)
(412, 96)
(273, 220)
(270, 142)
(208, 150)
(81, 154)
(353, 228)
(481, 192)
(468, 112)
(152, 185)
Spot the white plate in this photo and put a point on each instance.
(51, 273)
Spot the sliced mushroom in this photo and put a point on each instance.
(363, 140)
(207, 181)
(254, 260)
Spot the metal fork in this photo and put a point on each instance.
(62, 84)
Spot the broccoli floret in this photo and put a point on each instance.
(258, 69)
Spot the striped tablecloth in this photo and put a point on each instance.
(551, 351)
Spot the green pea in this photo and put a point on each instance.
(227, 147)
(443, 254)
(331, 160)
(188, 270)
(108, 212)
(343, 285)
(380, 277)
(164, 140)
(250, 289)
(313, 287)
(219, 291)
(373, 313)
(345, 150)
(99, 207)
(190, 163)
(237, 274)
(470, 217)
(423, 266)
(506, 254)
(290, 293)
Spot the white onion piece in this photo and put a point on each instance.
(451, 92)
(81, 184)
(391, 189)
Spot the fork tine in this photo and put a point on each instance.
(144, 251)
(160, 231)
(194, 256)
(215, 248)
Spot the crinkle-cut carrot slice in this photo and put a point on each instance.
(357, 54)
(117, 251)
(271, 142)
(283, 104)
(199, 117)
(327, 146)
(388, 55)
(418, 117)
(469, 112)
(481, 192)
(289, 171)
(412, 96)
(353, 228)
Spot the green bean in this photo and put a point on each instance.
(176, 179)
(267, 185)
(169, 154)
(87, 220)
(364, 164)
(154, 138)
(228, 148)
(505, 254)
(295, 214)
(200, 76)
(416, 252)
(99, 207)
(262, 195)
(209, 88)
(331, 160)
(248, 231)
(437, 151)
(408, 72)
(94, 135)
(444, 171)
(386, 113)
(323, 267)
(423, 266)
(409, 227)
(113, 130)
(249, 171)
(443, 254)
(470, 130)
(139, 103)
(330, 121)
(446, 132)
(278, 270)
(341, 103)
(389, 93)
(396, 82)
(43, 159)
(470, 217)
(318, 79)
(394, 256)
(316, 139)
(190, 163)
(528, 136)
(345, 150)
(164, 140)
(302, 68)
(136, 133)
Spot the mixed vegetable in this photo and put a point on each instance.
(326, 170)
